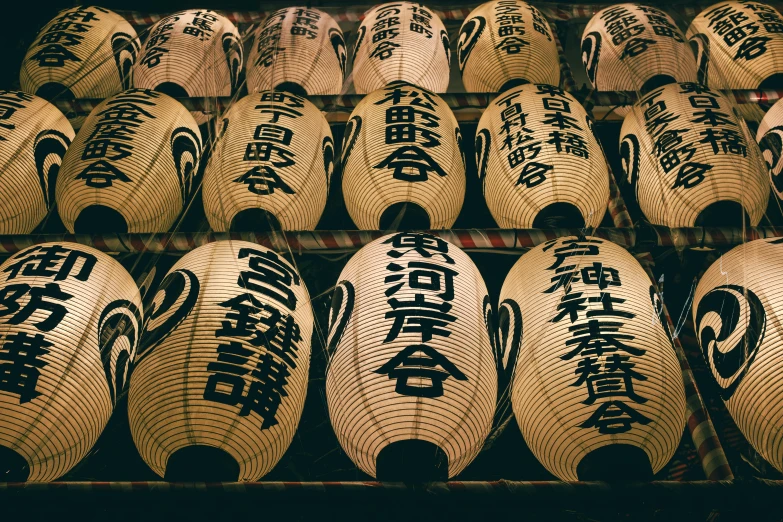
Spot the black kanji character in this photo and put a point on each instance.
(613, 417)
(42, 261)
(419, 316)
(11, 294)
(407, 365)
(425, 245)
(424, 276)
(20, 364)
(263, 180)
(411, 158)
(102, 174)
(691, 174)
(598, 337)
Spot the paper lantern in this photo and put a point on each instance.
(770, 140)
(196, 53)
(598, 392)
(401, 41)
(70, 321)
(630, 47)
(34, 136)
(691, 160)
(402, 162)
(274, 159)
(137, 178)
(538, 160)
(300, 49)
(411, 383)
(735, 314)
(506, 42)
(85, 52)
(221, 377)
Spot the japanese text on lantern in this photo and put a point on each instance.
(201, 25)
(426, 314)
(735, 26)
(271, 144)
(10, 102)
(387, 27)
(411, 119)
(268, 42)
(259, 323)
(66, 31)
(605, 359)
(626, 29)
(154, 47)
(21, 351)
(112, 136)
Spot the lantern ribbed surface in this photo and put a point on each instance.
(275, 153)
(84, 52)
(402, 144)
(33, 140)
(225, 360)
(625, 46)
(298, 45)
(503, 41)
(684, 150)
(411, 357)
(735, 311)
(770, 140)
(401, 41)
(535, 147)
(596, 367)
(143, 172)
(70, 328)
(196, 53)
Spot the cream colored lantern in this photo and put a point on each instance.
(222, 373)
(275, 156)
(34, 136)
(299, 49)
(598, 392)
(70, 321)
(402, 162)
(84, 52)
(506, 42)
(137, 178)
(538, 160)
(401, 41)
(195, 53)
(411, 383)
(735, 313)
(691, 160)
(770, 140)
(631, 47)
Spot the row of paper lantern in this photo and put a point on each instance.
(419, 358)
(91, 52)
(133, 166)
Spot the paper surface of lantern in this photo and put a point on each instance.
(770, 140)
(84, 52)
(34, 136)
(134, 181)
(275, 154)
(735, 311)
(506, 41)
(195, 53)
(402, 145)
(70, 328)
(300, 46)
(221, 377)
(598, 388)
(536, 154)
(691, 160)
(411, 367)
(630, 47)
(401, 41)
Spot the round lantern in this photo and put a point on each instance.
(691, 160)
(734, 312)
(70, 321)
(411, 384)
(221, 377)
(299, 49)
(770, 140)
(539, 161)
(506, 42)
(85, 52)
(131, 167)
(196, 53)
(402, 162)
(401, 41)
(598, 392)
(629, 47)
(34, 136)
(272, 163)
